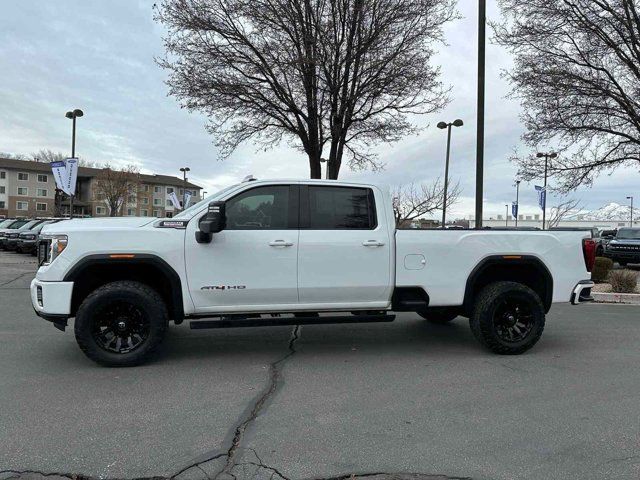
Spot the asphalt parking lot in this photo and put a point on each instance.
(405, 400)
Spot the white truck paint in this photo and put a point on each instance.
(284, 265)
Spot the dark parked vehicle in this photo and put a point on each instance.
(27, 241)
(605, 237)
(9, 238)
(625, 247)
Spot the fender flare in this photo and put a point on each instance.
(177, 312)
(509, 259)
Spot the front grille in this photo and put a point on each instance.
(625, 248)
(43, 251)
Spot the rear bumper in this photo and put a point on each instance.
(582, 292)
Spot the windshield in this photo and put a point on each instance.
(6, 223)
(628, 234)
(17, 224)
(30, 224)
(191, 211)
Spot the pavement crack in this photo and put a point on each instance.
(15, 278)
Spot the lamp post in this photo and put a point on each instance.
(506, 217)
(442, 126)
(546, 156)
(517, 201)
(482, 26)
(73, 115)
(184, 171)
(631, 198)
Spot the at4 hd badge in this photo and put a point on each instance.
(223, 287)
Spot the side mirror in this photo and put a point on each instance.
(213, 222)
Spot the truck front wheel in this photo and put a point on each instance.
(121, 323)
(508, 318)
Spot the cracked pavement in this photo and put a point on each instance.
(399, 401)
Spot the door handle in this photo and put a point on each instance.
(280, 243)
(373, 243)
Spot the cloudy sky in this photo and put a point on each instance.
(99, 56)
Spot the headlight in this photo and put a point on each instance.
(57, 244)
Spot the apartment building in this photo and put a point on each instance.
(28, 189)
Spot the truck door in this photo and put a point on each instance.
(252, 263)
(344, 257)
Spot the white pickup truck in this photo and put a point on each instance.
(297, 252)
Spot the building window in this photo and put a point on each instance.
(169, 190)
(536, 216)
(22, 206)
(3, 189)
(181, 192)
(157, 202)
(41, 207)
(23, 191)
(2, 204)
(145, 201)
(145, 188)
(43, 178)
(169, 204)
(145, 213)
(168, 215)
(3, 175)
(157, 189)
(131, 212)
(23, 176)
(100, 210)
(41, 192)
(156, 213)
(132, 199)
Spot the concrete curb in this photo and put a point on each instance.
(628, 298)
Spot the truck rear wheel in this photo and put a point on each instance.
(439, 316)
(508, 318)
(121, 324)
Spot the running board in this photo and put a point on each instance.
(277, 321)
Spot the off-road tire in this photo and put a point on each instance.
(439, 316)
(487, 302)
(145, 299)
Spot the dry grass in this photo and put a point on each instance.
(623, 281)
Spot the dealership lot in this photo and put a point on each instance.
(323, 401)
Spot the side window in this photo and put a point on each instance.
(341, 208)
(262, 208)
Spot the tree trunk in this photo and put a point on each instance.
(315, 168)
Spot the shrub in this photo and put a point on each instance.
(601, 268)
(623, 281)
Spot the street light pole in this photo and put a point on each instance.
(442, 126)
(631, 198)
(482, 25)
(184, 171)
(506, 217)
(517, 201)
(73, 115)
(546, 156)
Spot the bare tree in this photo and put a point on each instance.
(116, 186)
(342, 74)
(411, 202)
(13, 156)
(47, 156)
(577, 74)
(562, 211)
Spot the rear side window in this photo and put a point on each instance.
(262, 208)
(339, 208)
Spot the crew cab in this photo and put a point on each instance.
(297, 252)
(624, 248)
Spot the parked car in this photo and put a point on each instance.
(27, 240)
(10, 238)
(624, 248)
(297, 249)
(9, 226)
(605, 237)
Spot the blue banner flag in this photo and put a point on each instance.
(542, 196)
(514, 210)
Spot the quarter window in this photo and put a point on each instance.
(262, 208)
(341, 208)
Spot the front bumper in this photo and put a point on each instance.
(51, 299)
(582, 292)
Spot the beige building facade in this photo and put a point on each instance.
(28, 189)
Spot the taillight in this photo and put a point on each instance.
(589, 252)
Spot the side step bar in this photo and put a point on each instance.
(239, 322)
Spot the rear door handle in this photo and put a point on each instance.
(373, 243)
(280, 243)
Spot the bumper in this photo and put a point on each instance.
(51, 300)
(582, 292)
(10, 244)
(624, 256)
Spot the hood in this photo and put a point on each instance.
(81, 224)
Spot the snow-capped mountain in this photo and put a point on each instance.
(611, 211)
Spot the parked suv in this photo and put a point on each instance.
(9, 239)
(27, 240)
(625, 247)
(10, 226)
